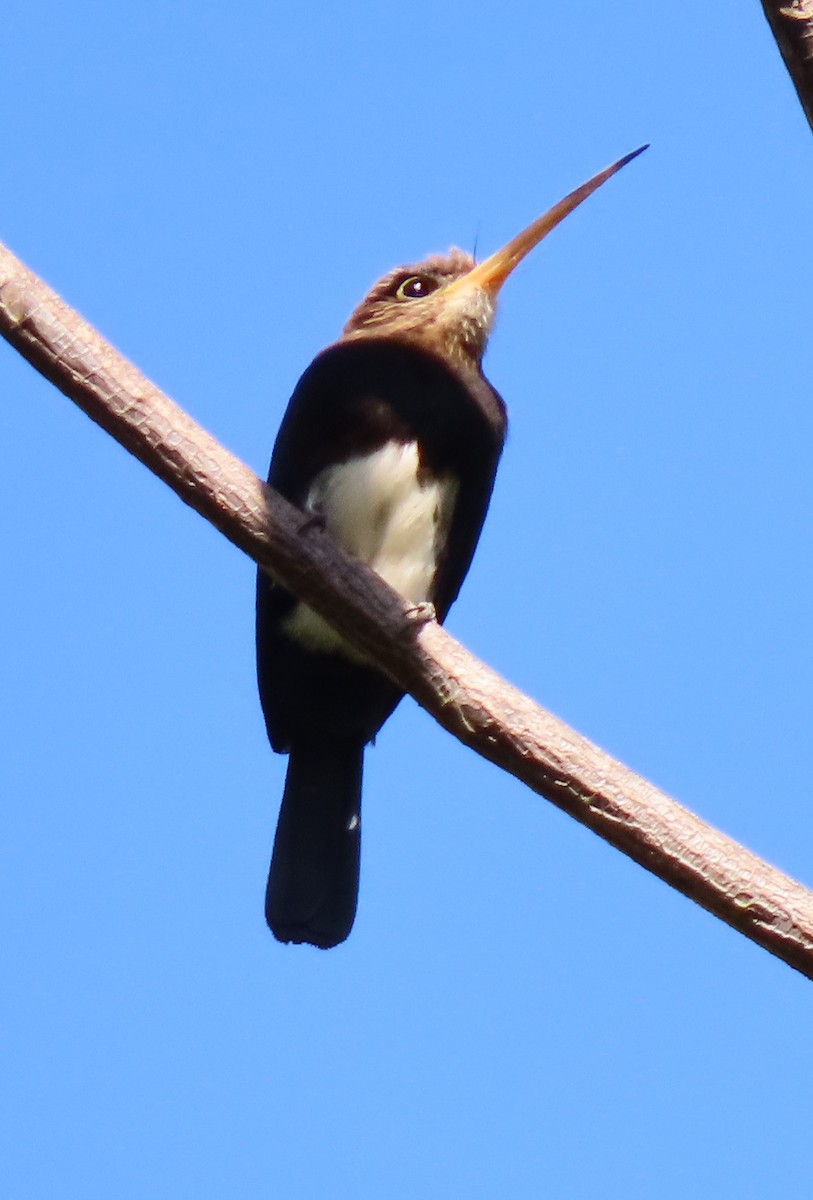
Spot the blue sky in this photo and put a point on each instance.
(520, 1011)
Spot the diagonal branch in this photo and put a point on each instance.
(464, 695)
(791, 23)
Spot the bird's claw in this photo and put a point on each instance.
(422, 613)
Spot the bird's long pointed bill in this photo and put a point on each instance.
(491, 274)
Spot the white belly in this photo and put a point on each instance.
(379, 508)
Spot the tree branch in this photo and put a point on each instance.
(464, 695)
(791, 23)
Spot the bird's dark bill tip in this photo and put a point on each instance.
(633, 154)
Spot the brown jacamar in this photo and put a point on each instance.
(391, 440)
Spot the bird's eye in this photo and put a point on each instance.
(415, 288)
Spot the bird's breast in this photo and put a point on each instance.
(389, 511)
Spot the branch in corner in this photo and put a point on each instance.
(791, 23)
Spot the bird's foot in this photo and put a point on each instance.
(422, 613)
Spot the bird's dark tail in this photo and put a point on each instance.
(314, 877)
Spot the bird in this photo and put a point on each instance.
(390, 442)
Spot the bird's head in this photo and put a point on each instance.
(447, 302)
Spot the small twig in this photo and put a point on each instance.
(467, 698)
(791, 22)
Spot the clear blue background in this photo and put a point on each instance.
(520, 1011)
